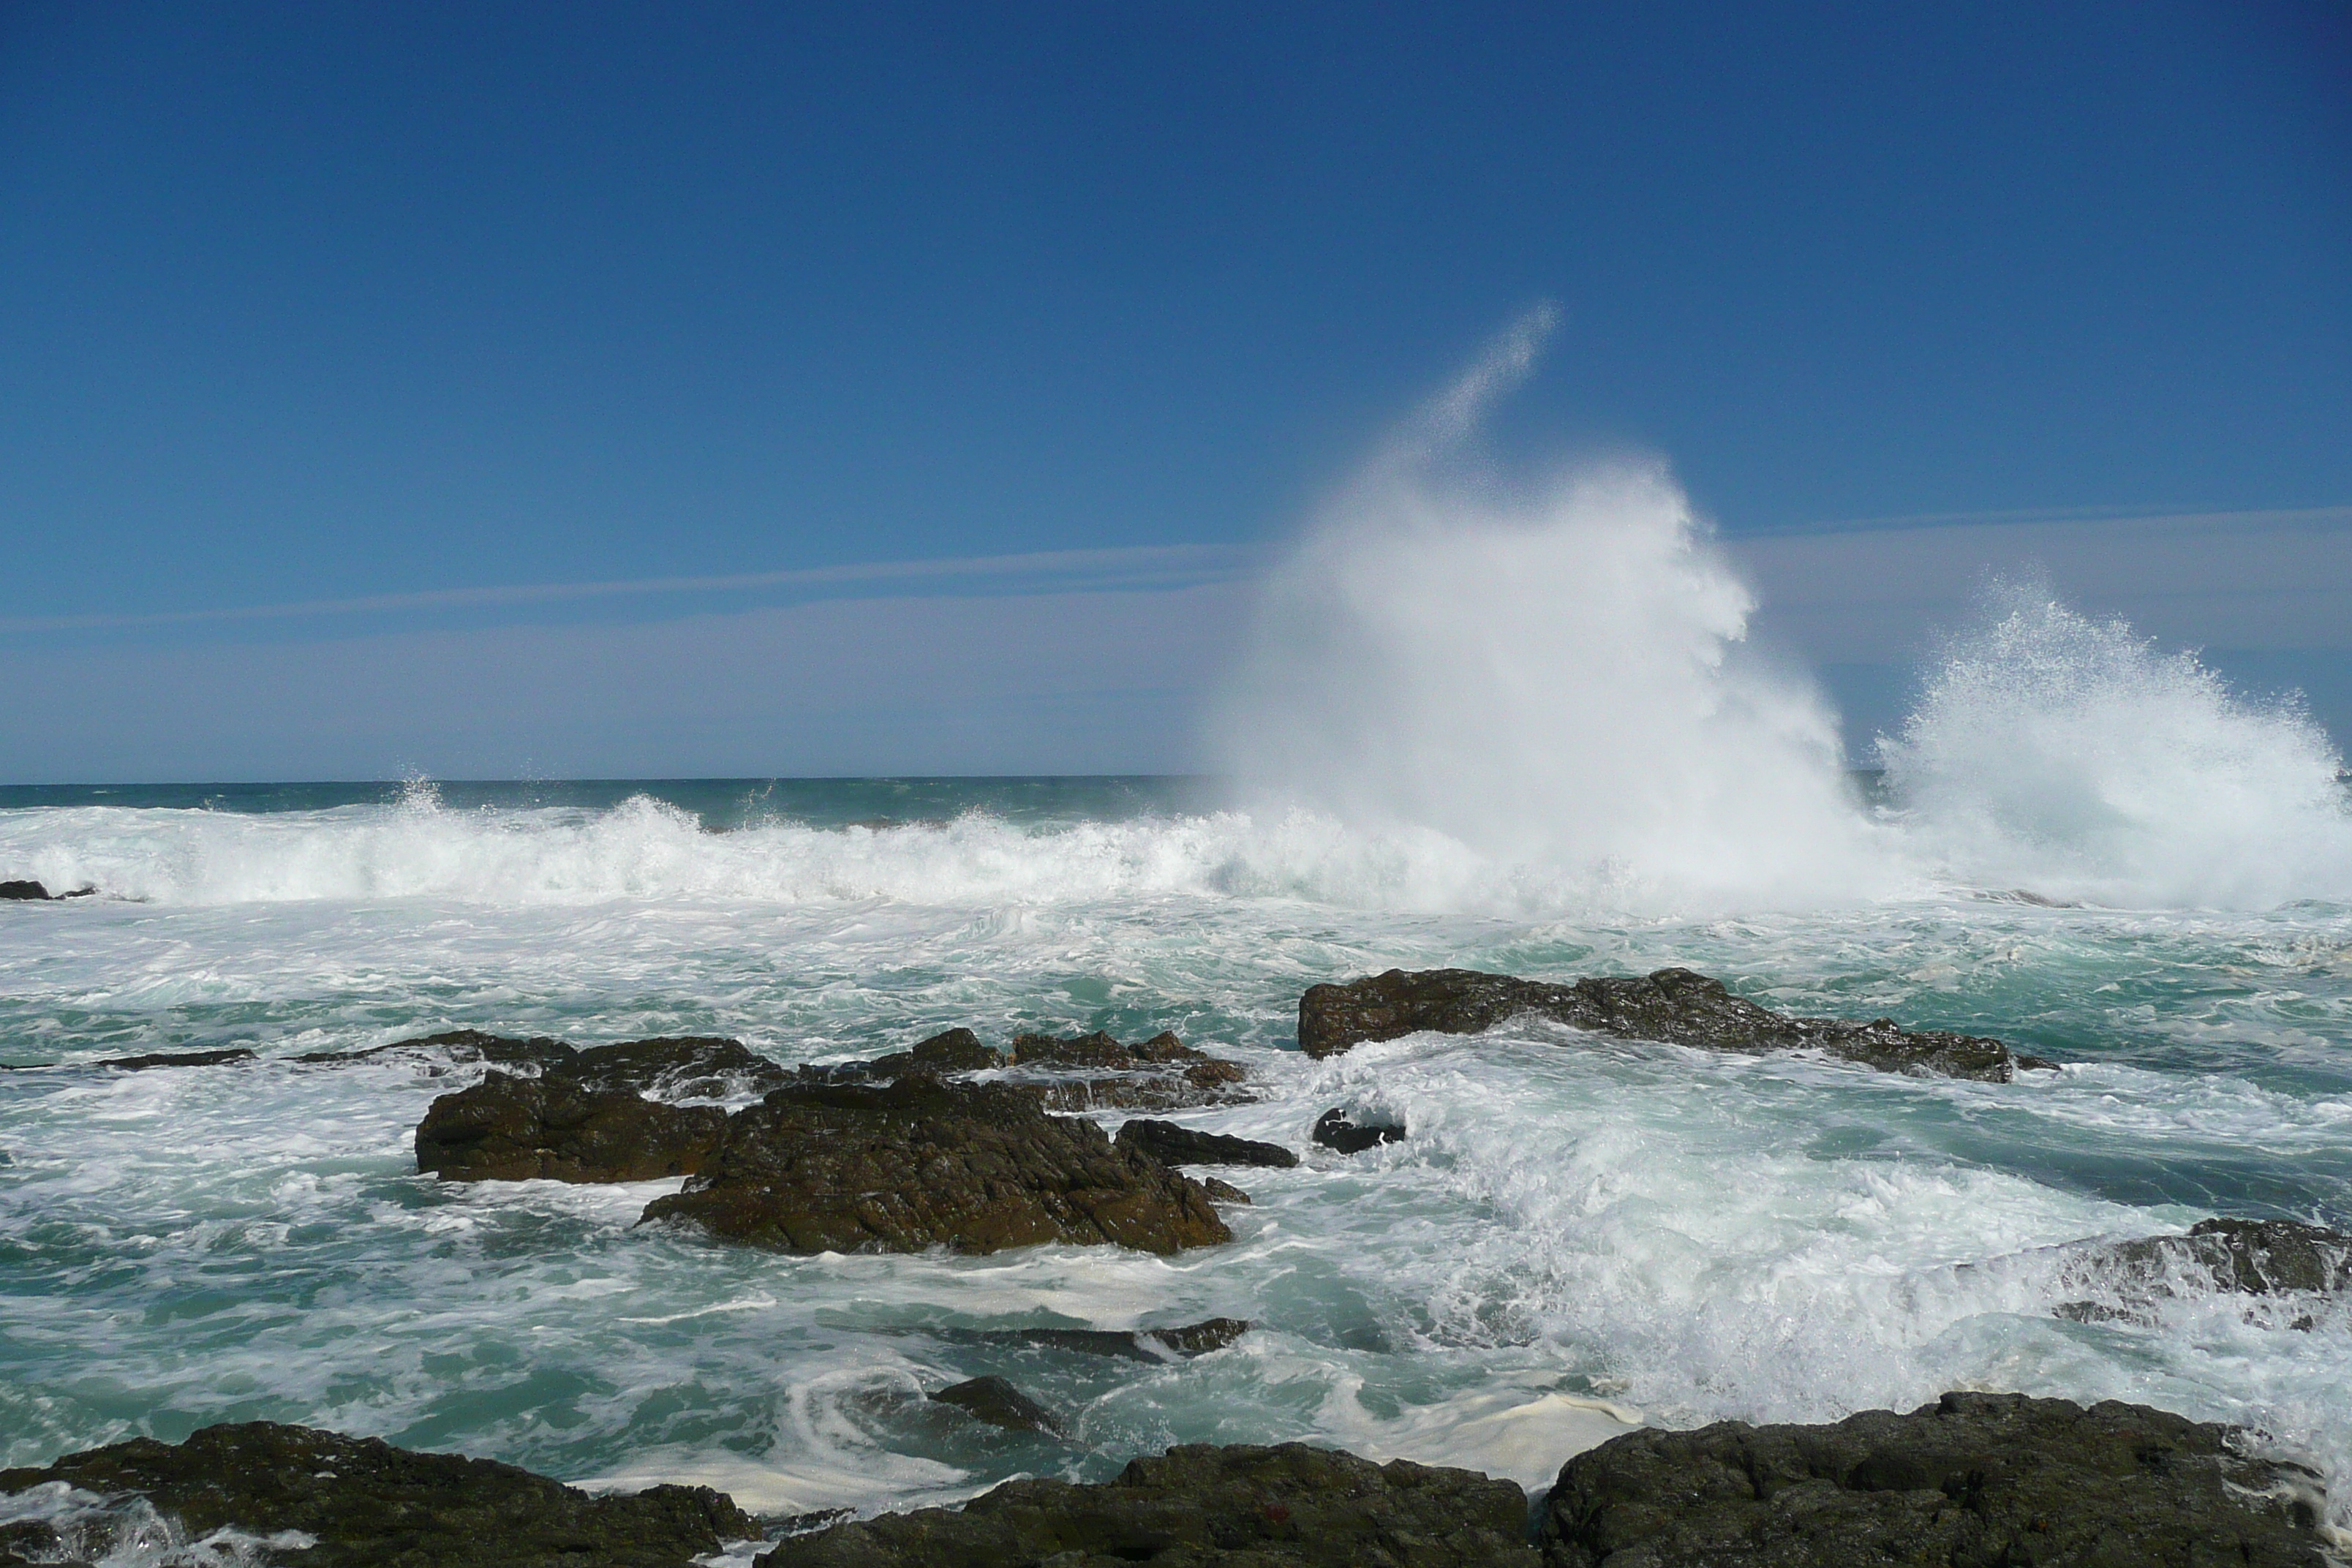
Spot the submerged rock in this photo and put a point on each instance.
(177, 1060)
(1201, 1505)
(1180, 1343)
(509, 1129)
(921, 1162)
(1975, 1478)
(1336, 1130)
(1173, 1145)
(1675, 1005)
(366, 1504)
(998, 1403)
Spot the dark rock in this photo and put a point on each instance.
(998, 1403)
(1675, 1005)
(1096, 1072)
(370, 1505)
(1974, 1480)
(2248, 1257)
(922, 1163)
(1132, 1344)
(1203, 1507)
(177, 1060)
(36, 892)
(1334, 1130)
(466, 1047)
(1223, 1191)
(1173, 1145)
(509, 1129)
(942, 1056)
(684, 1067)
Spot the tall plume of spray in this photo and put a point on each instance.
(1552, 674)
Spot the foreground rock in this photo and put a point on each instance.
(1173, 1145)
(1199, 1505)
(921, 1162)
(509, 1129)
(369, 1505)
(1973, 1479)
(1675, 1005)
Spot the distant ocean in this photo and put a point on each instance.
(1576, 1235)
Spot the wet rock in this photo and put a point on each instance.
(369, 1505)
(1182, 1342)
(1200, 1507)
(1675, 1005)
(1335, 1129)
(1173, 1145)
(1096, 1072)
(923, 1163)
(943, 1055)
(2247, 1257)
(998, 1403)
(464, 1047)
(176, 1060)
(36, 892)
(1975, 1478)
(683, 1066)
(509, 1129)
(1223, 1191)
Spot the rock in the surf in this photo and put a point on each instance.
(1674, 1006)
(923, 1163)
(364, 1503)
(2128, 1280)
(1091, 1072)
(683, 1066)
(154, 1059)
(509, 1129)
(1335, 1129)
(1173, 1145)
(1199, 1505)
(1182, 1342)
(1973, 1478)
(998, 1403)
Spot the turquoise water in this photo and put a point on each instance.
(1579, 1234)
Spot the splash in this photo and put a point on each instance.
(1554, 675)
(2071, 755)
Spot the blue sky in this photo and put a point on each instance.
(333, 338)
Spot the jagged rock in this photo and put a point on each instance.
(1974, 1480)
(1223, 1192)
(1675, 1005)
(1173, 1145)
(922, 1163)
(1335, 1129)
(1162, 1073)
(36, 892)
(998, 1403)
(509, 1129)
(1182, 1342)
(1205, 1507)
(369, 1505)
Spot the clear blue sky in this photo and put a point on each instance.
(327, 301)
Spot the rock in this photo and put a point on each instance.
(1223, 1192)
(998, 1403)
(370, 1505)
(465, 1047)
(36, 892)
(1132, 1344)
(1334, 1130)
(684, 1066)
(922, 1163)
(176, 1060)
(1162, 1073)
(1205, 1507)
(955, 1051)
(2248, 1257)
(1973, 1479)
(1173, 1145)
(1675, 1005)
(509, 1129)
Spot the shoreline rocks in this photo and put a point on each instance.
(1974, 1478)
(922, 1163)
(364, 1503)
(1674, 1006)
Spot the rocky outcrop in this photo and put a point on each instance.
(1675, 1005)
(556, 1128)
(38, 893)
(1173, 1145)
(922, 1163)
(682, 1067)
(998, 1403)
(2262, 1258)
(1083, 1072)
(1971, 1481)
(365, 1504)
(1335, 1129)
(1199, 1505)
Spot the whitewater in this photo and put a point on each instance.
(1516, 725)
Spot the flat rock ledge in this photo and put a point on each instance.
(1192, 1506)
(366, 1504)
(1675, 1005)
(1974, 1480)
(923, 1163)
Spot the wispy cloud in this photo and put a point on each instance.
(1073, 570)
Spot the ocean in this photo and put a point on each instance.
(1578, 1234)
